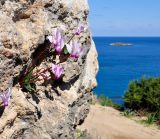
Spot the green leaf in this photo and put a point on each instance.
(30, 87)
(65, 50)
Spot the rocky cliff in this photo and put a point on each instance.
(55, 108)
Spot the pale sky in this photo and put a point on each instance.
(125, 17)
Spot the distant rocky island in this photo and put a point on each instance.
(120, 44)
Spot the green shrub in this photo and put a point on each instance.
(143, 94)
(151, 119)
(105, 101)
(128, 113)
(82, 134)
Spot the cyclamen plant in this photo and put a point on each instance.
(72, 48)
(80, 29)
(57, 70)
(58, 45)
(57, 41)
(5, 96)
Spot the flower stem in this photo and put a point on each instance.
(70, 38)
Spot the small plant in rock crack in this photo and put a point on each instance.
(55, 71)
(29, 82)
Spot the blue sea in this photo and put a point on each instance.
(120, 65)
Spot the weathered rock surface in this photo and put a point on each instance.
(56, 109)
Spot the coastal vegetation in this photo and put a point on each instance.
(129, 113)
(143, 96)
(141, 100)
(105, 101)
(82, 134)
(151, 119)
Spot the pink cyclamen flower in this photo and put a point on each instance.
(80, 29)
(74, 49)
(57, 70)
(57, 40)
(5, 96)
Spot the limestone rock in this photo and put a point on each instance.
(55, 110)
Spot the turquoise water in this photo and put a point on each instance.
(119, 65)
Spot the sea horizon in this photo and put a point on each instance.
(120, 65)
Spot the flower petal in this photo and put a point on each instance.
(50, 38)
(57, 70)
(69, 48)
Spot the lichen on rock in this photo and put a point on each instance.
(54, 110)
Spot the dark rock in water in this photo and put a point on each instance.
(121, 44)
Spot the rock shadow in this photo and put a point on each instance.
(65, 85)
(2, 108)
(35, 97)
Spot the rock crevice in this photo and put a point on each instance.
(56, 109)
